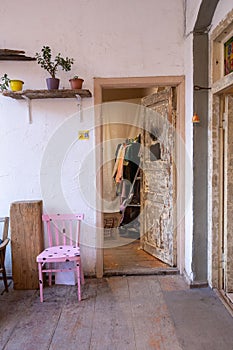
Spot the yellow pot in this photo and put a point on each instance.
(16, 85)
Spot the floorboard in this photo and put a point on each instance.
(124, 312)
(153, 326)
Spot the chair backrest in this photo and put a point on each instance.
(63, 229)
(5, 221)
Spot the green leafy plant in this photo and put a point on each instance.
(4, 82)
(44, 58)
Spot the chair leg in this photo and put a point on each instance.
(3, 270)
(5, 278)
(40, 281)
(78, 281)
(50, 276)
(82, 274)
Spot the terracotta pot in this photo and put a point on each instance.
(52, 83)
(76, 83)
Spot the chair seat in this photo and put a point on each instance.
(60, 253)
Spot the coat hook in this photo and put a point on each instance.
(197, 88)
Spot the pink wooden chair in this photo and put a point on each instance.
(62, 233)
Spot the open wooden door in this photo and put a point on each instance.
(226, 242)
(158, 190)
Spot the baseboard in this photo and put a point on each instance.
(195, 284)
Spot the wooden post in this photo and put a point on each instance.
(26, 242)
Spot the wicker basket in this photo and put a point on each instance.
(111, 224)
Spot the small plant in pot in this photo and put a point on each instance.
(14, 84)
(44, 58)
(76, 82)
(4, 82)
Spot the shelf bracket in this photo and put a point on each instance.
(28, 100)
(79, 104)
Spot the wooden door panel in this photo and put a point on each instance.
(158, 234)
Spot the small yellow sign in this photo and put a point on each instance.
(83, 135)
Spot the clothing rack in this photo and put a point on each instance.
(126, 170)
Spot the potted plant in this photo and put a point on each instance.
(76, 82)
(44, 58)
(4, 82)
(14, 84)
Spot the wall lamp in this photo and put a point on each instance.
(195, 119)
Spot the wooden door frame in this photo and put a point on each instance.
(219, 83)
(143, 82)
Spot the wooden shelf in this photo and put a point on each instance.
(42, 94)
(14, 55)
(28, 95)
(16, 58)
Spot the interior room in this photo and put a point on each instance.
(135, 163)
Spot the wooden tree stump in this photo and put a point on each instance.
(26, 242)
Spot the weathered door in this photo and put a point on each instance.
(158, 232)
(227, 183)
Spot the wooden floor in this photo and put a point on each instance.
(126, 257)
(116, 313)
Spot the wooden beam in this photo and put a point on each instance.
(26, 242)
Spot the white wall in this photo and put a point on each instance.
(189, 155)
(191, 11)
(107, 38)
(222, 9)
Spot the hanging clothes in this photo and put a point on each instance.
(118, 167)
(126, 169)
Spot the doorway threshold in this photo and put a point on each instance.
(130, 259)
(230, 297)
(141, 271)
(224, 298)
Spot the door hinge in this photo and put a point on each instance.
(224, 121)
(224, 124)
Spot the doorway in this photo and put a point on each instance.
(220, 164)
(129, 89)
(226, 208)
